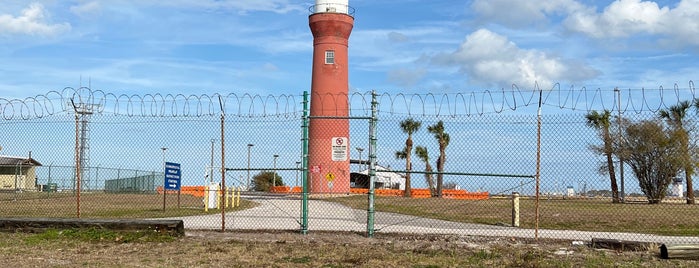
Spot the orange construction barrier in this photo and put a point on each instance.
(280, 189)
(425, 193)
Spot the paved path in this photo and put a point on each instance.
(284, 214)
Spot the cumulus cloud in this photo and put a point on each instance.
(522, 13)
(621, 18)
(33, 20)
(491, 59)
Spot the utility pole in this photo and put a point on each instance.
(360, 150)
(248, 184)
(622, 195)
(211, 166)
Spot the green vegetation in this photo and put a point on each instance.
(408, 126)
(601, 121)
(443, 140)
(263, 181)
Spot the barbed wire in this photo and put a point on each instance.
(86, 100)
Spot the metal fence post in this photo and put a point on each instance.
(372, 166)
(304, 181)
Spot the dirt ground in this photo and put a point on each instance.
(289, 249)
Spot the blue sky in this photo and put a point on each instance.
(264, 47)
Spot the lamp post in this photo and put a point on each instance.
(211, 171)
(274, 175)
(360, 150)
(621, 159)
(297, 173)
(164, 191)
(248, 183)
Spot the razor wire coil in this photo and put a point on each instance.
(249, 105)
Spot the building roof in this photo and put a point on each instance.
(384, 176)
(17, 161)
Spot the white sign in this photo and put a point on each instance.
(339, 148)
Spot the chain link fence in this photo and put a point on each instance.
(246, 168)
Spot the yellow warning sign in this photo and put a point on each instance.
(330, 176)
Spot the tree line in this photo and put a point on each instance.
(657, 149)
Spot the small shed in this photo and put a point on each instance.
(18, 173)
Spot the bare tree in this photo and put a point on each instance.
(601, 122)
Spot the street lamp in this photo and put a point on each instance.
(164, 174)
(621, 159)
(274, 175)
(248, 184)
(211, 171)
(297, 173)
(360, 150)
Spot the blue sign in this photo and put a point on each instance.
(172, 176)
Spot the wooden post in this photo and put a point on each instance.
(515, 209)
(688, 252)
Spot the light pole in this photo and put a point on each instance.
(164, 191)
(248, 183)
(274, 175)
(621, 159)
(360, 150)
(297, 173)
(211, 171)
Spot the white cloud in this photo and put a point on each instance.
(491, 59)
(621, 18)
(628, 18)
(522, 13)
(242, 6)
(32, 21)
(87, 9)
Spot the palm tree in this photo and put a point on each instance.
(675, 118)
(409, 126)
(443, 140)
(601, 122)
(421, 153)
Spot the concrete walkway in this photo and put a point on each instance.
(274, 213)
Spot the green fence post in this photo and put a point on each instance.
(304, 181)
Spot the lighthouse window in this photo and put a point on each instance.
(329, 57)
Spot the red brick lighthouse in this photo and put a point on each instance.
(331, 23)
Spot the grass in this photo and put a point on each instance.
(573, 214)
(97, 235)
(103, 205)
(95, 248)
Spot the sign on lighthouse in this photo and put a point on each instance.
(331, 24)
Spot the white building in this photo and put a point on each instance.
(385, 179)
